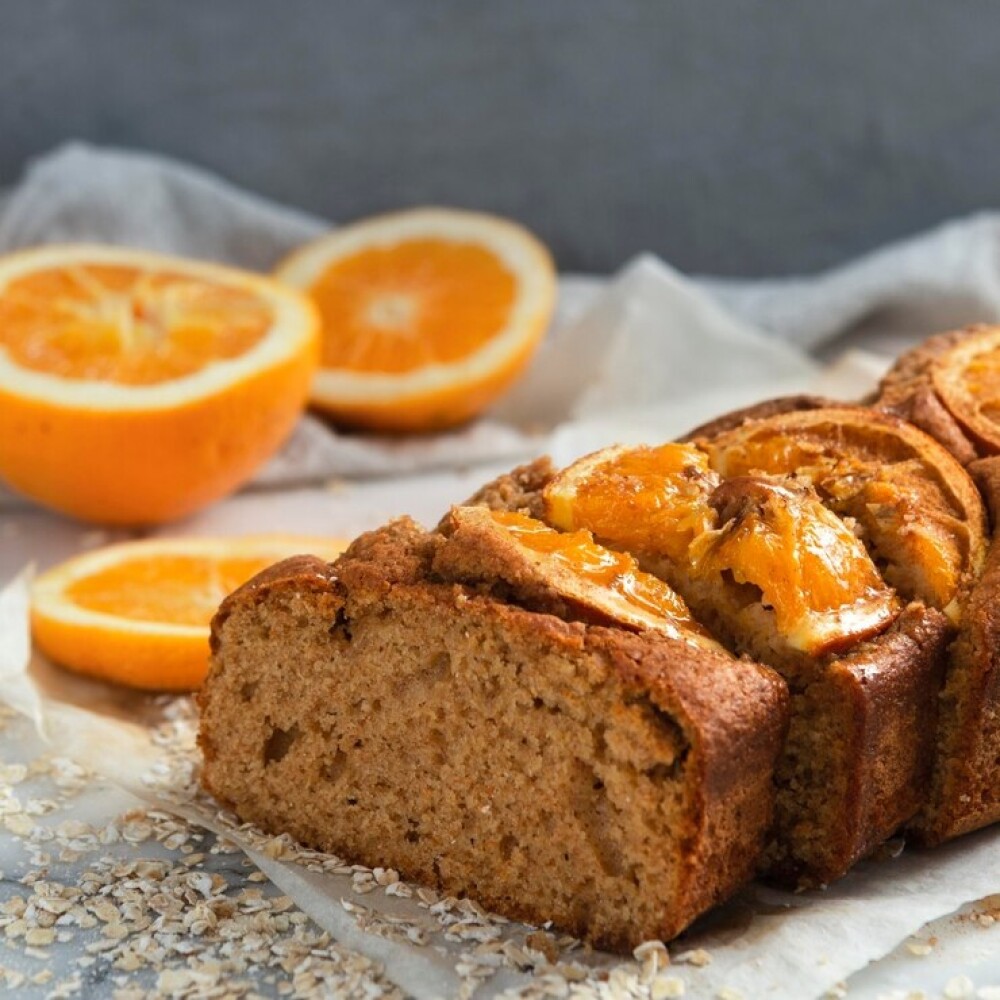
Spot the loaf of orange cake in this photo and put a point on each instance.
(470, 709)
(605, 695)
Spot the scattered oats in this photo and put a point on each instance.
(728, 993)
(39, 937)
(649, 948)
(41, 978)
(385, 876)
(698, 957)
(13, 774)
(666, 988)
(959, 988)
(542, 944)
(918, 948)
(16, 928)
(19, 824)
(13, 979)
(256, 877)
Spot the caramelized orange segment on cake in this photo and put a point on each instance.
(661, 505)
(799, 560)
(639, 499)
(916, 508)
(967, 378)
(523, 551)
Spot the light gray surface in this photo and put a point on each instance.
(730, 137)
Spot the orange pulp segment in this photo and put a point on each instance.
(643, 499)
(393, 309)
(136, 388)
(967, 377)
(126, 324)
(806, 564)
(660, 504)
(913, 503)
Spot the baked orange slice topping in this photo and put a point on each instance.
(645, 499)
(784, 550)
(913, 504)
(428, 315)
(799, 560)
(138, 613)
(967, 379)
(608, 586)
(135, 388)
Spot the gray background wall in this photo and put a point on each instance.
(736, 137)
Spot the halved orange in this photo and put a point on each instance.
(428, 315)
(136, 388)
(138, 613)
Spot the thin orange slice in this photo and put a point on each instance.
(138, 613)
(663, 503)
(428, 315)
(912, 502)
(607, 585)
(642, 499)
(136, 388)
(967, 378)
(804, 562)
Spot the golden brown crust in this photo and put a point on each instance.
(965, 786)
(964, 781)
(724, 717)
(875, 705)
(761, 411)
(518, 490)
(908, 391)
(890, 685)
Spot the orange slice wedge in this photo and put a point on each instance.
(641, 499)
(967, 378)
(428, 315)
(603, 586)
(805, 563)
(136, 388)
(138, 613)
(667, 507)
(910, 500)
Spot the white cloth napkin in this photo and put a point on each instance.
(651, 338)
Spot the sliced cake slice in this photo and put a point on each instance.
(445, 706)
